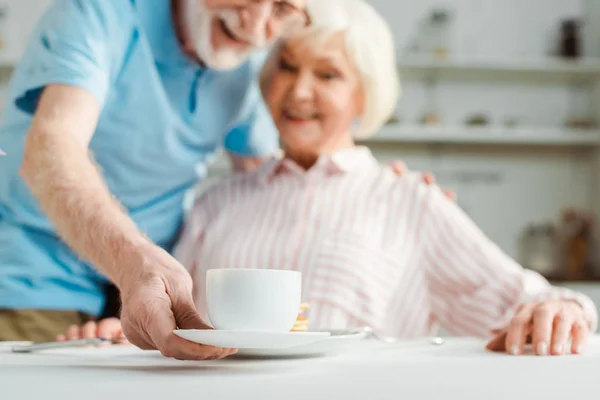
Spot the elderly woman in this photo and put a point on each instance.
(374, 249)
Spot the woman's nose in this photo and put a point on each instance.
(303, 87)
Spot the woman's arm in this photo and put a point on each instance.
(476, 288)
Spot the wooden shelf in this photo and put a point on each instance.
(485, 135)
(581, 68)
(559, 279)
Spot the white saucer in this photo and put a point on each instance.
(338, 342)
(250, 340)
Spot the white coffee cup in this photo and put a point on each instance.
(262, 300)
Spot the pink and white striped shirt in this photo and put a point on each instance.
(374, 248)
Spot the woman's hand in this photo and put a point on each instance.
(109, 328)
(548, 326)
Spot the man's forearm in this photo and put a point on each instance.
(57, 169)
(74, 196)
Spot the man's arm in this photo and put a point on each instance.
(156, 289)
(60, 173)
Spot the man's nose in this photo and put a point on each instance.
(255, 18)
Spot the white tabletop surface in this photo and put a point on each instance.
(459, 369)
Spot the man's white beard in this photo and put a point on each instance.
(199, 19)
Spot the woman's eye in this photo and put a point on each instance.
(328, 75)
(285, 66)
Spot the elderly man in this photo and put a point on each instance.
(113, 108)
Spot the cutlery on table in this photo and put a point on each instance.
(369, 332)
(28, 348)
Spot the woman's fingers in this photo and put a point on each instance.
(89, 330)
(110, 328)
(498, 342)
(543, 321)
(548, 326)
(563, 324)
(519, 328)
(73, 332)
(579, 336)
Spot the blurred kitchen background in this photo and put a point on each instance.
(501, 103)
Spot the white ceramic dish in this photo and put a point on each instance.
(249, 339)
(338, 342)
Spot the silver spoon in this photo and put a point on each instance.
(28, 348)
(436, 340)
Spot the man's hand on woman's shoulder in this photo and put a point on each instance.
(400, 168)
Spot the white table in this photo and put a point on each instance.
(459, 369)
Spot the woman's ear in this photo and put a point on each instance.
(360, 102)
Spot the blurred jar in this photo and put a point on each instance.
(434, 37)
(576, 237)
(440, 24)
(539, 249)
(570, 40)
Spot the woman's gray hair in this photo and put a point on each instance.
(370, 47)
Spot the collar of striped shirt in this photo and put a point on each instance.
(344, 161)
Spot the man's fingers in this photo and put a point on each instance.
(579, 336)
(543, 320)
(186, 315)
(518, 330)
(181, 349)
(563, 324)
(134, 332)
(139, 341)
(161, 328)
(428, 178)
(450, 194)
(399, 167)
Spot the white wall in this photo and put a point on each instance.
(22, 15)
(509, 186)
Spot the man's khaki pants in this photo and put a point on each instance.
(37, 325)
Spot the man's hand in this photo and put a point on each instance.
(244, 164)
(549, 325)
(157, 300)
(400, 169)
